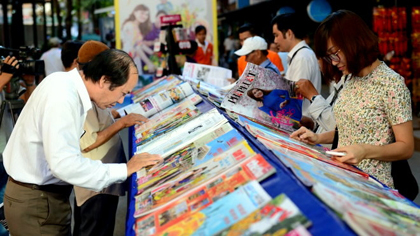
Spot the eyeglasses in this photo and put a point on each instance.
(332, 57)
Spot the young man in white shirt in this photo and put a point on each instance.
(289, 36)
(43, 154)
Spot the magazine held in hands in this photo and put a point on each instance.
(265, 96)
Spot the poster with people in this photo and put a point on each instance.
(138, 26)
(266, 97)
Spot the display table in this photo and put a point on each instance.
(324, 221)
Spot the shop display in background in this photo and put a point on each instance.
(390, 23)
(415, 55)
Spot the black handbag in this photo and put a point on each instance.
(404, 180)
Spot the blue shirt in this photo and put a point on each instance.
(269, 65)
(272, 102)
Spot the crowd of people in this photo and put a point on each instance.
(67, 134)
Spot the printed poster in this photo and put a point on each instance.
(138, 26)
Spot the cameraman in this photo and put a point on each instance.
(9, 67)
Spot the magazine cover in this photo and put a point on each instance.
(179, 137)
(265, 96)
(311, 153)
(310, 171)
(278, 217)
(364, 204)
(160, 100)
(222, 214)
(155, 87)
(188, 157)
(168, 112)
(257, 129)
(214, 75)
(166, 125)
(255, 168)
(366, 225)
(169, 189)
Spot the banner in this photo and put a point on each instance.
(138, 25)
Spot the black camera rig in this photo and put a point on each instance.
(28, 65)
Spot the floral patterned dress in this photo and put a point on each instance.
(366, 110)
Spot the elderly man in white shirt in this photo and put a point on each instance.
(43, 154)
(289, 36)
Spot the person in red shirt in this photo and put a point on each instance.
(204, 53)
(247, 31)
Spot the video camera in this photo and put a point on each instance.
(25, 55)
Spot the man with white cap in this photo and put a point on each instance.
(255, 51)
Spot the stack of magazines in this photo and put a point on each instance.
(209, 171)
(209, 182)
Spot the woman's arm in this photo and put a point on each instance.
(307, 136)
(402, 149)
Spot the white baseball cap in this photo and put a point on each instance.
(251, 44)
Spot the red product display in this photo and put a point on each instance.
(390, 24)
(415, 55)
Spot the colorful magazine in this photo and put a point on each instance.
(310, 172)
(158, 101)
(214, 75)
(401, 219)
(192, 155)
(222, 214)
(187, 180)
(255, 168)
(277, 217)
(171, 122)
(155, 87)
(263, 95)
(182, 135)
(311, 153)
(269, 133)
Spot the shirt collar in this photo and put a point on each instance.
(265, 63)
(296, 47)
(82, 90)
(202, 45)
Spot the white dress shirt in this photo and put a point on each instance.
(304, 66)
(44, 146)
(321, 110)
(52, 61)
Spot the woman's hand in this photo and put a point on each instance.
(354, 154)
(305, 135)
(260, 104)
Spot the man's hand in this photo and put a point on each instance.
(132, 119)
(232, 80)
(305, 135)
(10, 65)
(115, 114)
(306, 88)
(141, 160)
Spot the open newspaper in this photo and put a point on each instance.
(159, 101)
(265, 96)
(210, 74)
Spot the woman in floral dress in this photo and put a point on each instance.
(373, 110)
